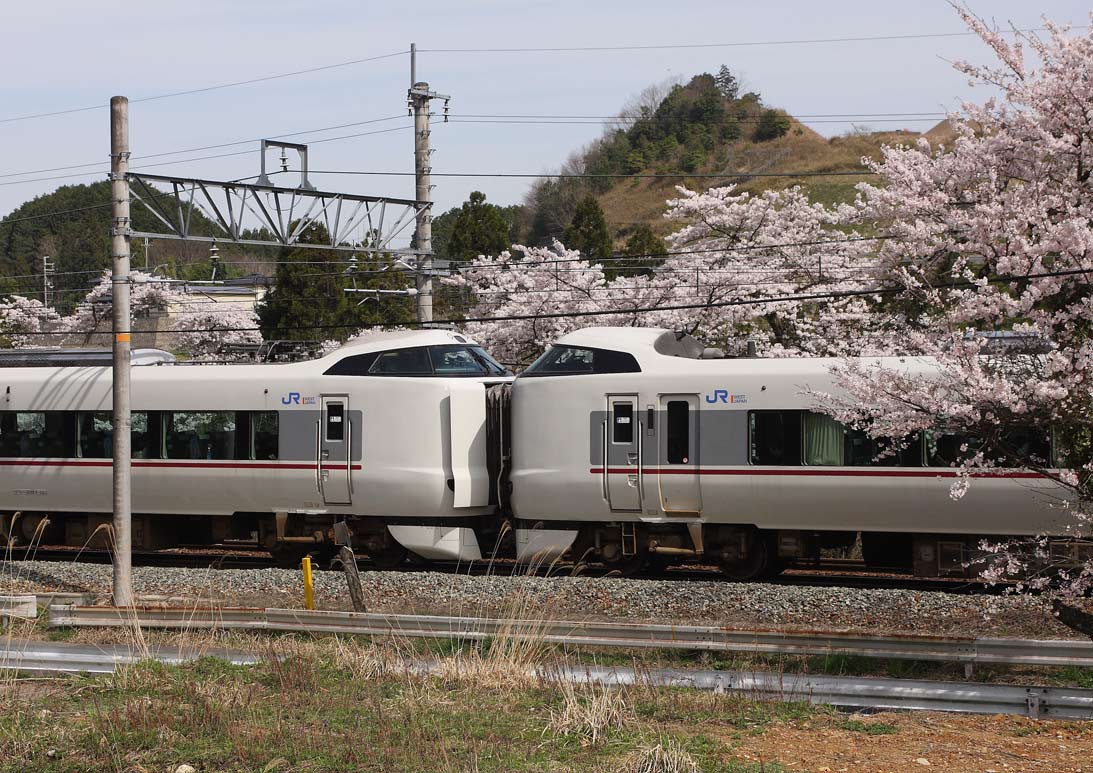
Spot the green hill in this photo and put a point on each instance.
(699, 129)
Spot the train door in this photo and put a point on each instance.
(622, 440)
(680, 489)
(335, 439)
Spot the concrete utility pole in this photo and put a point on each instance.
(120, 233)
(419, 97)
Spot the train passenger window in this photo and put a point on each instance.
(264, 434)
(402, 362)
(865, 451)
(96, 436)
(574, 361)
(774, 437)
(1018, 447)
(38, 433)
(622, 423)
(825, 440)
(335, 421)
(200, 435)
(678, 437)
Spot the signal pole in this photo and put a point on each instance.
(418, 98)
(47, 284)
(120, 236)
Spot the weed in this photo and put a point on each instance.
(869, 728)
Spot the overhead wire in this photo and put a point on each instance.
(205, 89)
(785, 298)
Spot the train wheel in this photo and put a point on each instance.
(390, 556)
(757, 562)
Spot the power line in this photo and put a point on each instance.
(793, 297)
(205, 89)
(207, 147)
(200, 158)
(733, 44)
(558, 175)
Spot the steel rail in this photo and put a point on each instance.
(59, 657)
(969, 651)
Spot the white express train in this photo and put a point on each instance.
(386, 433)
(619, 445)
(636, 444)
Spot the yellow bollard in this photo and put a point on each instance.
(309, 590)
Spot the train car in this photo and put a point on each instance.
(633, 444)
(386, 434)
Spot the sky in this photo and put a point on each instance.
(66, 54)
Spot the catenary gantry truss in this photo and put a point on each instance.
(280, 215)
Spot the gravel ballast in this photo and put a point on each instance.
(682, 601)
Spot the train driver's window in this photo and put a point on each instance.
(825, 440)
(201, 435)
(678, 438)
(774, 437)
(264, 432)
(402, 362)
(622, 423)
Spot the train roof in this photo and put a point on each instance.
(659, 350)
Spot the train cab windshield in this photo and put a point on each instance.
(450, 360)
(578, 360)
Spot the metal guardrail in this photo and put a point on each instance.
(845, 691)
(593, 633)
(862, 692)
(58, 657)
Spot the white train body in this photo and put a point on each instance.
(280, 447)
(700, 450)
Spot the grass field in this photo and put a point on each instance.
(353, 704)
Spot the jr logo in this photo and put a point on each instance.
(718, 396)
(292, 398)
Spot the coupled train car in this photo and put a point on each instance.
(632, 445)
(623, 446)
(385, 434)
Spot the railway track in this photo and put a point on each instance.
(834, 573)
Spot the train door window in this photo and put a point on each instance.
(622, 423)
(200, 435)
(96, 436)
(678, 432)
(825, 440)
(264, 434)
(774, 437)
(335, 422)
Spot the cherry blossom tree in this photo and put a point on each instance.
(21, 318)
(992, 243)
(202, 330)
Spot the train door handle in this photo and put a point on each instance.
(631, 457)
(326, 454)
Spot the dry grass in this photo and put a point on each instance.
(590, 713)
(661, 757)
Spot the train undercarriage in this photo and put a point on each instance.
(743, 552)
